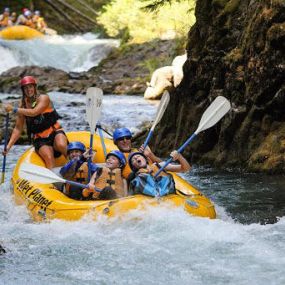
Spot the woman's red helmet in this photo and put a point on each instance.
(28, 80)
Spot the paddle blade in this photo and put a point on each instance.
(94, 98)
(214, 113)
(38, 174)
(161, 108)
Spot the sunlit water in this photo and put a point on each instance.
(69, 53)
(160, 246)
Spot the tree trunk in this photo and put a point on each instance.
(69, 19)
(76, 11)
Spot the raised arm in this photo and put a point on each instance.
(149, 154)
(184, 166)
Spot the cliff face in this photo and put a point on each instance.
(236, 49)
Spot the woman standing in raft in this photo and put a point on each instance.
(41, 118)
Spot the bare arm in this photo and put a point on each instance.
(184, 166)
(17, 131)
(149, 154)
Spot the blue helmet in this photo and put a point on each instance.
(119, 155)
(120, 133)
(76, 146)
(131, 156)
(6, 10)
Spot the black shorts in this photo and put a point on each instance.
(39, 142)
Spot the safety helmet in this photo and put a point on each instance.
(131, 155)
(28, 80)
(37, 12)
(6, 10)
(24, 10)
(27, 13)
(76, 146)
(119, 155)
(120, 133)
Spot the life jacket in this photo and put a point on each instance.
(5, 21)
(40, 24)
(43, 125)
(81, 176)
(127, 170)
(30, 23)
(107, 177)
(145, 182)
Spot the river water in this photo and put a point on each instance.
(245, 245)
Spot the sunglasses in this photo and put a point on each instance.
(124, 138)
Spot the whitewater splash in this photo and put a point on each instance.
(69, 53)
(158, 246)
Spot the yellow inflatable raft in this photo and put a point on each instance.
(20, 33)
(45, 202)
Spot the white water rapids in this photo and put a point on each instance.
(69, 53)
(159, 246)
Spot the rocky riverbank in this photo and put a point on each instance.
(125, 71)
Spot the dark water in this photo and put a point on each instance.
(246, 197)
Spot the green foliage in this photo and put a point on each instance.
(170, 21)
(151, 64)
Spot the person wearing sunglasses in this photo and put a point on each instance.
(122, 138)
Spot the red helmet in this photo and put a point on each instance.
(28, 80)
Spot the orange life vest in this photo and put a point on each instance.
(127, 170)
(109, 178)
(43, 125)
(5, 21)
(30, 23)
(81, 176)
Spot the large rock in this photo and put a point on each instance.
(236, 49)
(161, 79)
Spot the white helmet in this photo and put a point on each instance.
(27, 13)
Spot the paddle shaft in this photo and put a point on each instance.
(5, 148)
(161, 109)
(90, 158)
(148, 138)
(102, 139)
(80, 185)
(190, 139)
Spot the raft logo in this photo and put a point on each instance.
(33, 193)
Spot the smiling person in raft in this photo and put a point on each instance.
(42, 123)
(144, 180)
(76, 169)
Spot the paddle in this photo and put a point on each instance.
(5, 147)
(98, 126)
(160, 111)
(219, 107)
(94, 98)
(43, 175)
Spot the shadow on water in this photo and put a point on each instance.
(246, 197)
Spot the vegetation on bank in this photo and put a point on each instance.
(129, 20)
